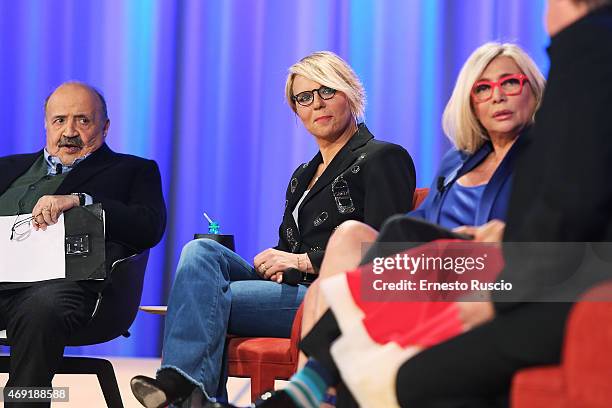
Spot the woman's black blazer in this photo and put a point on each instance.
(368, 180)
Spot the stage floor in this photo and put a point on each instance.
(85, 391)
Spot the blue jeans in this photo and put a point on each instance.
(216, 292)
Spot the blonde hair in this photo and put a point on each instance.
(330, 70)
(459, 121)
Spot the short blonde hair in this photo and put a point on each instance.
(330, 70)
(459, 121)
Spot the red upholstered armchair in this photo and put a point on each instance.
(584, 378)
(265, 359)
(419, 196)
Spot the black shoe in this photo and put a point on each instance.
(169, 387)
(149, 392)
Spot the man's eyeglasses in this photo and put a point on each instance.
(307, 97)
(510, 85)
(21, 228)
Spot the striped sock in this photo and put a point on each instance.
(307, 387)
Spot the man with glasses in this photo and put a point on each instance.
(75, 168)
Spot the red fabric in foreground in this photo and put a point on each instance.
(410, 323)
(584, 377)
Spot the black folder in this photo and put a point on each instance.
(85, 243)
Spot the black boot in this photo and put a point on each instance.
(169, 387)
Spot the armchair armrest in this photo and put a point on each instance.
(296, 334)
(587, 360)
(157, 310)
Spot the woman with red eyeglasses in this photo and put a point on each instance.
(494, 101)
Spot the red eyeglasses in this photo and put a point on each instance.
(510, 85)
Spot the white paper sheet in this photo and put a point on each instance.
(31, 256)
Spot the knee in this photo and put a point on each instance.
(42, 310)
(352, 233)
(201, 247)
(48, 311)
(393, 223)
(197, 255)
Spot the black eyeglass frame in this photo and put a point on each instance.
(295, 99)
(18, 223)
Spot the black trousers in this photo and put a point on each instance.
(472, 370)
(476, 368)
(39, 319)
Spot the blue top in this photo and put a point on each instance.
(458, 207)
(493, 202)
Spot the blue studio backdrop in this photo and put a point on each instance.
(198, 86)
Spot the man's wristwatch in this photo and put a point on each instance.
(81, 198)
